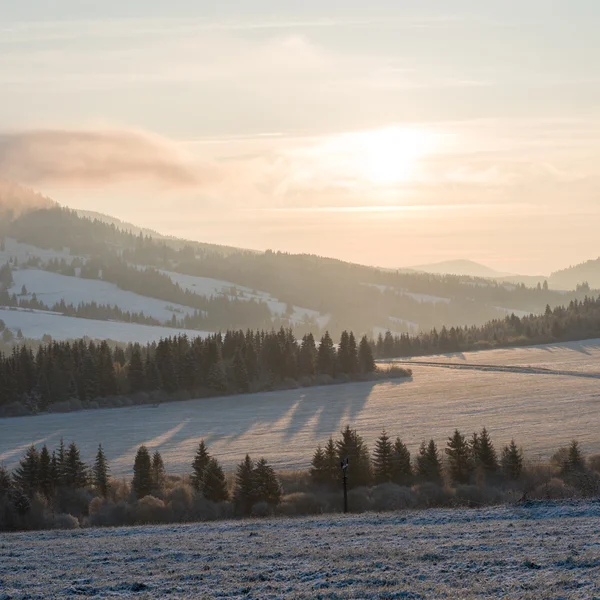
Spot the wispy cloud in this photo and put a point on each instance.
(63, 157)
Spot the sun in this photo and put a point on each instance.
(390, 155)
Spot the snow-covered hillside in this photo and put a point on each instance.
(541, 411)
(23, 252)
(546, 550)
(35, 324)
(51, 288)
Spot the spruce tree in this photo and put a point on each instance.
(58, 464)
(100, 473)
(332, 464)
(266, 485)
(26, 475)
(240, 373)
(429, 467)
(383, 459)
(318, 469)
(158, 471)
(575, 461)
(45, 473)
(135, 371)
(142, 473)
(244, 495)
(512, 461)
(201, 460)
(401, 468)
(326, 356)
(75, 470)
(486, 457)
(352, 447)
(307, 356)
(460, 465)
(5, 482)
(214, 486)
(366, 363)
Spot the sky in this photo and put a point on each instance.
(391, 133)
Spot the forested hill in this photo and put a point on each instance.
(65, 275)
(587, 273)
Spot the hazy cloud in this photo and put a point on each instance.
(63, 157)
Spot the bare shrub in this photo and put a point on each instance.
(430, 494)
(95, 505)
(119, 490)
(323, 380)
(295, 481)
(75, 404)
(60, 407)
(181, 500)
(110, 514)
(474, 496)
(302, 503)
(140, 398)
(15, 409)
(261, 509)
(73, 501)
(359, 500)
(65, 521)
(390, 496)
(205, 510)
(554, 489)
(536, 475)
(594, 462)
(151, 510)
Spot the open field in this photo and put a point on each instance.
(545, 550)
(542, 411)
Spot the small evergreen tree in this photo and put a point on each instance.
(75, 470)
(326, 356)
(332, 464)
(383, 459)
(214, 486)
(159, 475)
(352, 447)
(244, 494)
(429, 467)
(575, 461)
(45, 473)
(240, 372)
(59, 459)
(100, 473)
(266, 485)
(142, 473)
(26, 475)
(366, 363)
(485, 456)
(318, 469)
(460, 464)
(5, 482)
(401, 468)
(512, 461)
(201, 459)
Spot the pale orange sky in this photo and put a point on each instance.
(398, 135)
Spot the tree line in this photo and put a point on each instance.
(235, 362)
(57, 489)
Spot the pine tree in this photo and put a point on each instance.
(352, 447)
(332, 464)
(142, 473)
(135, 371)
(214, 486)
(383, 459)
(5, 482)
(26, 475)
(326, 356)
(100, 473)
(429, 467)
(366, 363)
(58, 464)
(318, 469)
(266, 485)
(485, 455)
(575, 461)
(45, 473)
(75, 470)
(201, 460)
(158, 471)
(512, 461)
(307, 356)
(459, 458)
(244, 495)
(401, 468)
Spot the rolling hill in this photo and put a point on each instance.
(61, 268)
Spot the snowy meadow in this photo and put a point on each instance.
(544, 550)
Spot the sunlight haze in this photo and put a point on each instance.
(386, 133)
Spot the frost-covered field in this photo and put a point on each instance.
(51, 288)
(547, 551)
(542, 411)
(34, 324)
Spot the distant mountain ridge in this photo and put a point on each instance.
(461, 266)
(569, 278)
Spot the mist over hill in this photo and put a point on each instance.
(65, 271)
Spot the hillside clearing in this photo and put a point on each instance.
(541, 412)
(543, 551)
